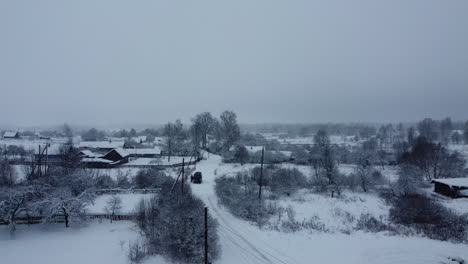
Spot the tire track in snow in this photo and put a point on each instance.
(225, 226)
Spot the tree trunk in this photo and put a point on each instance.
(67, 218)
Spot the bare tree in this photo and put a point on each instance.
(465, 133)
(434, 161)
(324, 155)
(62, 201)
(174, 135)
(14, 201)
(229, 129)
(67, 131)
(205, 124)
(7, 173)
(411, 135)
(428, 129)
(113, 206)
(446, 128)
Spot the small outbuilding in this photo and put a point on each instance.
(117, 155)
(11, 135)
(454, 187)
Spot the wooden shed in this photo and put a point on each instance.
(11, 135)
(454, 187)
(117, 155)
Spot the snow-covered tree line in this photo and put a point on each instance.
(204, 132)
(173, 225)
(59, 193)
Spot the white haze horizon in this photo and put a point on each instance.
(116, 62)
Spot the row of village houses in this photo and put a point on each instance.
(107, 154)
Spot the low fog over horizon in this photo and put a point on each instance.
(117, 62)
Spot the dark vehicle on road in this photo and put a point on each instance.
(196, 177)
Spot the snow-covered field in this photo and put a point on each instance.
(244, 243)
(156, 161)
(241, 241)
(129, 202)
(338, 140)
(338, 214)
(95, 243)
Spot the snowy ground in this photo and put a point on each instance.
(129, 203)
(241, 241)
(339, 214)
(244, 243)
(338, 140)
(95, 243)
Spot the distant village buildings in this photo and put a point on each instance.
(11, 135)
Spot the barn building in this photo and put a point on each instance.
(111, 159)
(11, 135)
(118, 154)
(454, 187)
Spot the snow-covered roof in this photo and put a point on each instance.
(89, 153)
(101, 160)
(455, 182)
(286, 153)
(250, 149)
(146, 151)
(10, 134)
(140, 138)
(101, 144)
(121, 152)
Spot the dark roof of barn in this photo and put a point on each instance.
(454, 182)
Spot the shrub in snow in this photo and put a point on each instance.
(7, 173)
(369, 223)
(104, 182)
(410, 178)
(240, 196)
(241, 155)
(173, 225)
(123, 182)
(287, 181)
(314, 223)
(113, 206)
(149, 178)
(429, 217)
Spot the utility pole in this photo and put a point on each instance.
(261, 176)
(39, 161)
(183, 176)
(46, 159)
(206, 235)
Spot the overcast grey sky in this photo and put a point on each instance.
(114, 61)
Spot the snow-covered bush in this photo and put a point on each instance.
(173, 225)
(8, 174)
(240, 196)
(369, 223)
(287, 181)
(149, 178)
(104, 182)
(429, 217)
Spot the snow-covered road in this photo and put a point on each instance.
(240, 241)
